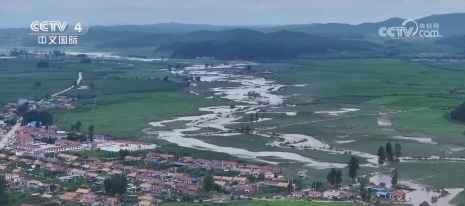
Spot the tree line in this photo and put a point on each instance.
(76, 127)
(388, 153)
(44, 117)
(334, 176)
(256, 116)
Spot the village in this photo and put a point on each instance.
(51, 163)
(151, 186)
(40, 167)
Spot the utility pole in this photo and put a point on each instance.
(96, 96)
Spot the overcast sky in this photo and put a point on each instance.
(20, 13)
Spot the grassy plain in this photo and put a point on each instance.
(17, 78)
(384, 85)
(374, 86)
(127, 99)
(124, 107)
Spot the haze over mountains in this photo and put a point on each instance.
(252, 42)
(449, 24)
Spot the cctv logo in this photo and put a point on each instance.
(411, 31)
(48, 26)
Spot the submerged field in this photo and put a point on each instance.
(341, 108)
(384, 85)
(127, 98)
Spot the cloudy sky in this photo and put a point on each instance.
(20, 13)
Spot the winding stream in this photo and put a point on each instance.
(258, 93)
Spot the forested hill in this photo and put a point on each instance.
(454, 41)
(241, 44)
(243, 35)
(448, 25)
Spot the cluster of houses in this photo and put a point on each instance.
(397, 195)
(60, 102)
(335, 194)
(32, 141)
(86, 197)
(150, 183)
(329, 194)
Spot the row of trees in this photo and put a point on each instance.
(334, 177)
(389, 154)
(177, 67)
(245, 129)
(77, 127)
(45, 117)
(256, 117)
(76, 137)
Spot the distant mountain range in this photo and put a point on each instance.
(248, 44)
(245, 44)
(449, 24)
(238, 34)
(287, 41)
(163, 28)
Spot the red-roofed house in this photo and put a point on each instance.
(397, 195)
(156, 188)
(25, 139)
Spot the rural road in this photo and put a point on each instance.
(79, 79)
(10, 134)
(77, 83)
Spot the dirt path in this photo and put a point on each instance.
(12, 132)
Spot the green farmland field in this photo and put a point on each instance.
(385, 84)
